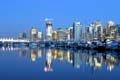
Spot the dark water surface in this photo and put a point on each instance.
(58, 64)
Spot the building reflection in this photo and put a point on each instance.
(48, 63)
(110, 62)
(40, 52)
(77, 58)
(24, 53)
(60, 55)
(33, 54)
(69, 56)
(54, 54)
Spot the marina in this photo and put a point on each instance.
(88, 45)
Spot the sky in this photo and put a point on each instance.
(20, 15)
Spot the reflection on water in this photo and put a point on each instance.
(48, 62)
(78, 59)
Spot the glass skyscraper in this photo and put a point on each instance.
(77, 31)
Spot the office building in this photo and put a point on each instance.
(61, 35)
(97, 30)
(77, 31)
(33, 34)
(71, 34)
(40, 36)
(104, 33)
(118, 32)
(49, 31)
(54, 36)
(110, 30)
(89, 32)
(68, 37)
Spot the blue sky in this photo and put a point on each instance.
(20, 15)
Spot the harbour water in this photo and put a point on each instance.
(57, 64)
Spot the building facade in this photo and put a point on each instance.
(89, 32)
(61, 35)
(110, 30)
(118, 32)
(33, 34)
(97, 30)
(77, 31)
(40, 36)
(49, 31)
(54, 36)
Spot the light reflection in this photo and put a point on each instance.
(54, 54)
(33, 55)
(76, 58)
(40, 53)
(69, 57)
(60, 55)
(48, 65)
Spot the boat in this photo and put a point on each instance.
(33, 44)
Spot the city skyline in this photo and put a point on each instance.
(92, 30)
(59, 39)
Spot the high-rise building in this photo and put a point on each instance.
(118, 32)
(89, 32)
(97, 31)
(40, 36)
(49, 31)
(110, 30)
(77, 31)
(24, 35)
(33, 34)
(61, 34)
(104, 33)
(54, 36)
(68, 34)
(71, 33)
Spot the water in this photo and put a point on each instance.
(57, 64)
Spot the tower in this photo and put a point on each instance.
(77, 31)
(33, 34)
(49, 31)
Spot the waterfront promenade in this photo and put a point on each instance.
(96, 45)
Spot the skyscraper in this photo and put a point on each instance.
(49, 31)
(97, 30)
(40, 35)
(77, 31)
(54, 36)
(118, 32)
(89, 32)
(71, 33)
(104, 33)
(61, 34)
(67, 31)
(33, 34)
(110, 30)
